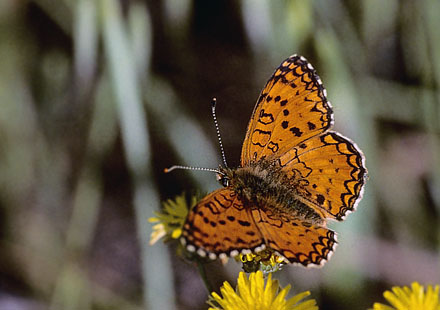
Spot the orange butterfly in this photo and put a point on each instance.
(294, 175)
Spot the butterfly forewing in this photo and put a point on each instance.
(291, 108)
(220, 223)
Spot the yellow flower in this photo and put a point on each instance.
(158, 230)
(266, 261)
(414, 298)
(251, 294)
(171, 219)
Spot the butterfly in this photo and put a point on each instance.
(294, 175)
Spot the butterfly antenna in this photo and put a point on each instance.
(175, 167)
(214, 103)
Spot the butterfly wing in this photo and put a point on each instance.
(297, 241)
(328, 172)
(221, 225)
(291, 108)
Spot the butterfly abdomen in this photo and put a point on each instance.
(264, 186)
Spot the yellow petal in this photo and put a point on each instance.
(244, 286)
(176, 233)
(396, 300)
(378, 306)
(279, 299)
(158, 232)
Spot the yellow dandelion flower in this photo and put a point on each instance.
(252, 294)
(171, 219)
(266, 261)
(414, 298)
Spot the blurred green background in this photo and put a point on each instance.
(98, 97)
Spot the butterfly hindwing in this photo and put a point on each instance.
(297, 241)
(291, 108)
(329, 173)
(220, 223)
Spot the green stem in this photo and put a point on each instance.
(202, 273)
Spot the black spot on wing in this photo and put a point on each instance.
(296, 131)
(320, 199)
(244, 223)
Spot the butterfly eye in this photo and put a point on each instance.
(224, 181)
